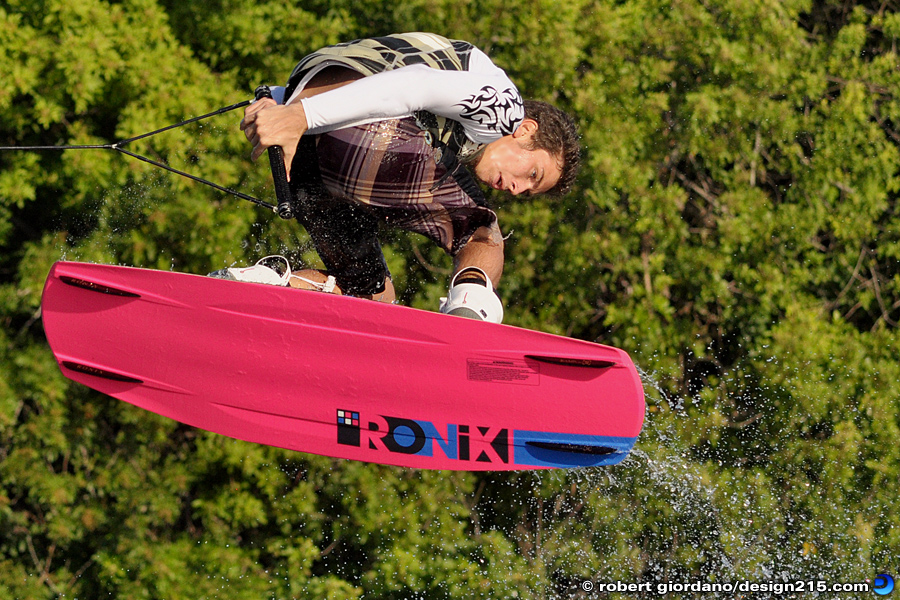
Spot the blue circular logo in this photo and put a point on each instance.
(883, 585)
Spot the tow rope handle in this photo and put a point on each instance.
(279, 174)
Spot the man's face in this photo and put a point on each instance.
(508, 164)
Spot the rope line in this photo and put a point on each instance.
(117, 146)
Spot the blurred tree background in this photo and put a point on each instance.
(735, 229)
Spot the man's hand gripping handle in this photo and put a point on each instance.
(279, 173)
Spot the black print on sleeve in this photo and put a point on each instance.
(499, 111)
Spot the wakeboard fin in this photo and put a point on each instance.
(96, 287)
(98, 372)
(568, 361)
(573, 448)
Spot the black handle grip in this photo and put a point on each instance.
(279, 174)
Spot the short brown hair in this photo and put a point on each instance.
(557, 134)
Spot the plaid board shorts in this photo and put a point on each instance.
(348, 182)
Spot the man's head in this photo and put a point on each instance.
(541, 157)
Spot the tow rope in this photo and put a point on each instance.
(118, 147)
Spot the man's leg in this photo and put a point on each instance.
(301, 280)
(344, 233)
(485, 251)
(320, 219)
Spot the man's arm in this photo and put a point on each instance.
(487, 104)
(266, 123)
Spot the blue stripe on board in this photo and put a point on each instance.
(527, 455)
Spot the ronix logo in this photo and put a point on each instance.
(406, 436)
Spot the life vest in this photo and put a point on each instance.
(376, 55)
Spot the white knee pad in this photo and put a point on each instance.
(473, 300)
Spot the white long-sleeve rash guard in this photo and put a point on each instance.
(483, 99)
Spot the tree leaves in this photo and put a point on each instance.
(734, 228)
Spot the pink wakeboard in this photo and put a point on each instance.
(341, 376)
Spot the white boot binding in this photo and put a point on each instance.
(258, 273)
(261, 273)
(472, 297)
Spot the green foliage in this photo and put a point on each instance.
(734, 228)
